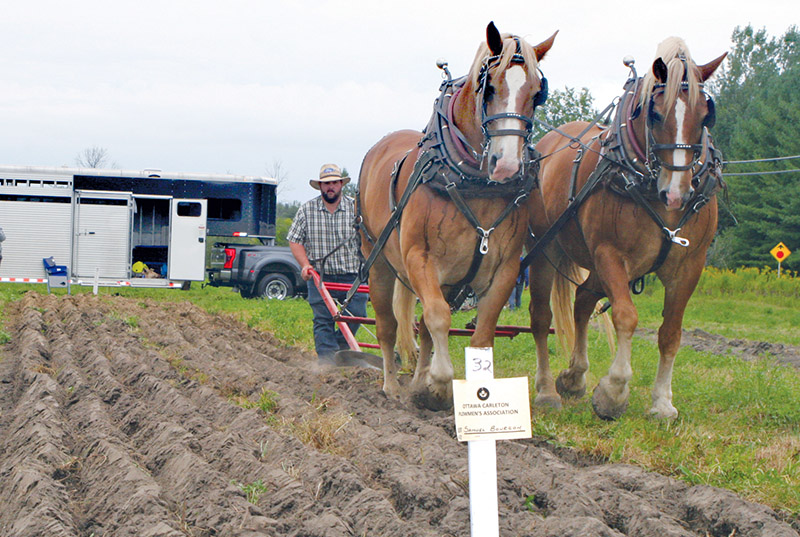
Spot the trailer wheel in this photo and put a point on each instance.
(274, 286)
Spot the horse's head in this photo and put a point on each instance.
(506, 86)
(675, 112)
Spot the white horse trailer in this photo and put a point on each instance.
(101, 224)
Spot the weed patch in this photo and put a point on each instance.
(252, 491)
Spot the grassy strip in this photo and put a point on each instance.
(739, 423)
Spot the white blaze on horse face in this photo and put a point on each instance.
(508, 148)
(680, 157)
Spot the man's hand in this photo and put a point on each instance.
(305, 273)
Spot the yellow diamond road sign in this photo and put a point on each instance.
(780, 252)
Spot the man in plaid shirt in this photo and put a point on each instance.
(322, 237)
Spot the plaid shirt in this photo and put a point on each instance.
(320, 231)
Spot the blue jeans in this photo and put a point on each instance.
(515, 300)
(327, 339)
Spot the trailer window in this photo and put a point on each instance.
(189, 208)
(224, 209)
(101, 201)
(37, 199)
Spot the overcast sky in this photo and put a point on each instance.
(237, 86)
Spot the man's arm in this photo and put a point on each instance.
(299, 253)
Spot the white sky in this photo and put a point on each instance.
(236, 86)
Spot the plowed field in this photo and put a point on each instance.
(123, 417)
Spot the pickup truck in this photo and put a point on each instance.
(257, 271)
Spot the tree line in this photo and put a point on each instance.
(757, 98)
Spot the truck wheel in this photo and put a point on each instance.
(274, 286)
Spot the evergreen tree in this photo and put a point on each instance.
(758, 109)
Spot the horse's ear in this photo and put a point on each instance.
(493, 39)
(660, 70)
(708, 69)
(542, 48)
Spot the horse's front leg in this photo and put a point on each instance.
(678, 288)
(491, 303)
(610, 397)
(434, 389)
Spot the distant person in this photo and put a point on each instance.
(2, 238)
(322, 238)
(515, 300)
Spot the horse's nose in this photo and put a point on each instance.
(501, 167)
(673, 200)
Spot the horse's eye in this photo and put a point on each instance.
(489, 94)
(655, 117)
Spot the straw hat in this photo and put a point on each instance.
(328, 173)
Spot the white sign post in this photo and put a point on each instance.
(487, 409)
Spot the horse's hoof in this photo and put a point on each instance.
(548, 401)
(605, 407)
(663, 412)
(392, 390)
(570, 392)
(425, 398)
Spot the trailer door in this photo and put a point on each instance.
(35, 228)
(187, 239)
(102, 234)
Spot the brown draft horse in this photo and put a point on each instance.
(435, 245)
(660, 147)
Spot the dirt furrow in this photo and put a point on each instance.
(132, 417)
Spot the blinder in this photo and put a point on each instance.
(711, 117)
(541, 96)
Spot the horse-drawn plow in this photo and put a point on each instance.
(344, 320)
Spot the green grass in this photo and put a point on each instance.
(252, 491)
(739, 422)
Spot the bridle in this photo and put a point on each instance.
(653, 163)
(482, 90)
(649, 158)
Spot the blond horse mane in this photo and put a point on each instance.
(670, 51)
(509, 49)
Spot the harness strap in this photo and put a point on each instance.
(422, 162)
(700, 199)
(482, 245)
(569, 212)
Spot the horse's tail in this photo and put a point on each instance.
(403, 308)
(563, 297)
(608, 326)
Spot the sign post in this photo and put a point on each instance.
(487, 409)
(780, 252)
